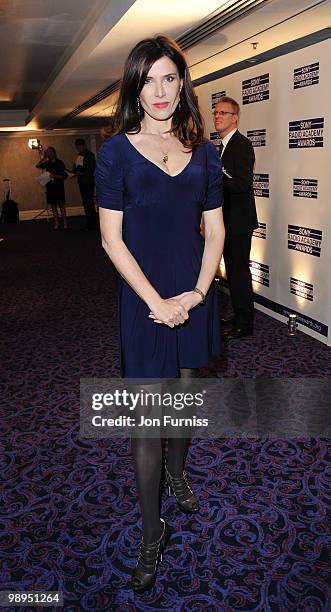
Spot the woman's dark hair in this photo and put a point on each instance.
(187, 124)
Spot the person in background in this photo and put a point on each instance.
(55, 194)
(240, 219)
(84, 169)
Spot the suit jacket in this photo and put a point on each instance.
(86, 171)
(239, 203)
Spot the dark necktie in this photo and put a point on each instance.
(220, 149)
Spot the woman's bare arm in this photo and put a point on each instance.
(127, 266)
(214, 234)
(214, 241)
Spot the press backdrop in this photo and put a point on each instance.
(286, 113)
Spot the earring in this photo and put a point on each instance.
(138, 106)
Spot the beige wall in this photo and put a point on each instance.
(17, 162)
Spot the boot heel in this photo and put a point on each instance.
(149, 558)
(183, 493)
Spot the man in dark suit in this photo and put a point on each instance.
(239, 212)
(84, 168)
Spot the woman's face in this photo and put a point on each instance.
(159, 96)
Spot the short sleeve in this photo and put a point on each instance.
(214, 193)
(109, 176)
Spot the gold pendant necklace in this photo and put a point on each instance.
(165, 155)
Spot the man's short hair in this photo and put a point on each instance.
(234, 104)
(80, 142)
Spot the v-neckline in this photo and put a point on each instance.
(156, 165)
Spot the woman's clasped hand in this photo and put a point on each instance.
(174, 311)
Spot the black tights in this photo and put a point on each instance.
(147, 457)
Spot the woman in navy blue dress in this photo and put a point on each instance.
(157, 178)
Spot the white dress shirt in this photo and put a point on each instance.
(226, 139)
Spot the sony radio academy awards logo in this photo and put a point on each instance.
(305, 239)
(257, 137)
(260, 272)
(306, 133)
(217, 97)
(261, 185)
(261, 231)
(306, 75)
(256, 89)
(305, 188)
(302, 289)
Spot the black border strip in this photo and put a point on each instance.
(312, 324)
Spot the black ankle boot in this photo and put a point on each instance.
(183, 493)
(149, 557)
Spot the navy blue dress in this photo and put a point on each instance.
(161, 228)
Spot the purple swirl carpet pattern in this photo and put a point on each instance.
(69, 515)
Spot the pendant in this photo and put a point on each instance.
(165, 158)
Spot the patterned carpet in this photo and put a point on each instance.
(69, 517)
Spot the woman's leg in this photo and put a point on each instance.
(147, 458)
(64, 216)
(55, 216)
(177, 447)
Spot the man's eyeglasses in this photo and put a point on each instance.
(222, 113)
